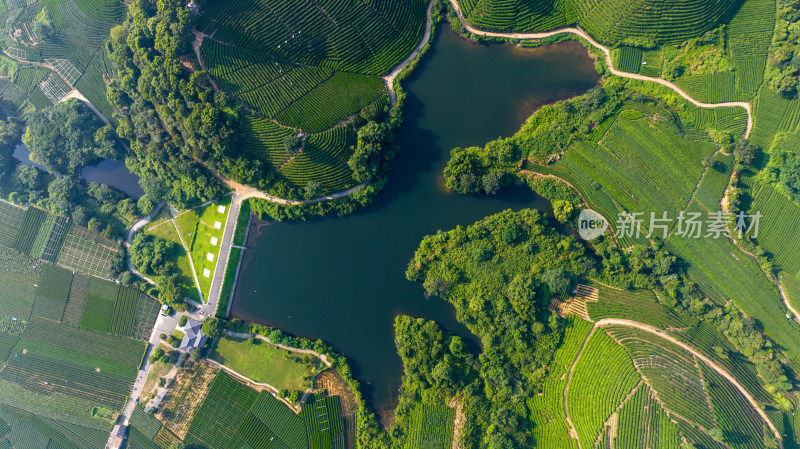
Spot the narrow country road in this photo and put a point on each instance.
(164, 325)
(245, 192)
(251, 192)
(139, 224)
(74, 93)
(389, 78)
(664, 335)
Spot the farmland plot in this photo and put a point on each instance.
(87, 252)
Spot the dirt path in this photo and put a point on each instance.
(610, 66)
(773, 278)
(390, 77)
(162, 391)
(245, 379)
(572, 430)
(770, 275)
(246, 192)
(661, 334)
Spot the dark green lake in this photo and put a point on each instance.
(342, 280)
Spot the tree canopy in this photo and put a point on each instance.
(68, 137)
(150, 254)
(365, 159)
(177, 124)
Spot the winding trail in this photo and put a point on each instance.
(139, 224)
(246, 335)
(426, 37)
(246, 192)
(610, 66)
(664, 335)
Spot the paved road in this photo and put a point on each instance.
(164, 325)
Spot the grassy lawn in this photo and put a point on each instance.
(197, 227)
(227, 282)
(157, 371)
(264, 362)
(166, 230)
(158, 220)
(241, 223)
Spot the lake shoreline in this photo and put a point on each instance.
(342, 279)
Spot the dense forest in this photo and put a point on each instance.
(172, 117)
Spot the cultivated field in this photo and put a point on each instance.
(72, 53)
(87, 252)
(608, 21)
(60, 373)
(309, 74)
(432, 427)
(643, 165)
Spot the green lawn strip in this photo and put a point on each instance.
(241, 223)
(166, 230)
(264, 362)
(228, 282)
(197, 227)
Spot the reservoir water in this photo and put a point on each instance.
(342, 280)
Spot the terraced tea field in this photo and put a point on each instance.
(432, 427)
(641, 165)
(309, 69)
(60, 372)
(71, 56)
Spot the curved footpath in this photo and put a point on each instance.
(139, 224)
(426, 36)
(246, 335)
(664, 335)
